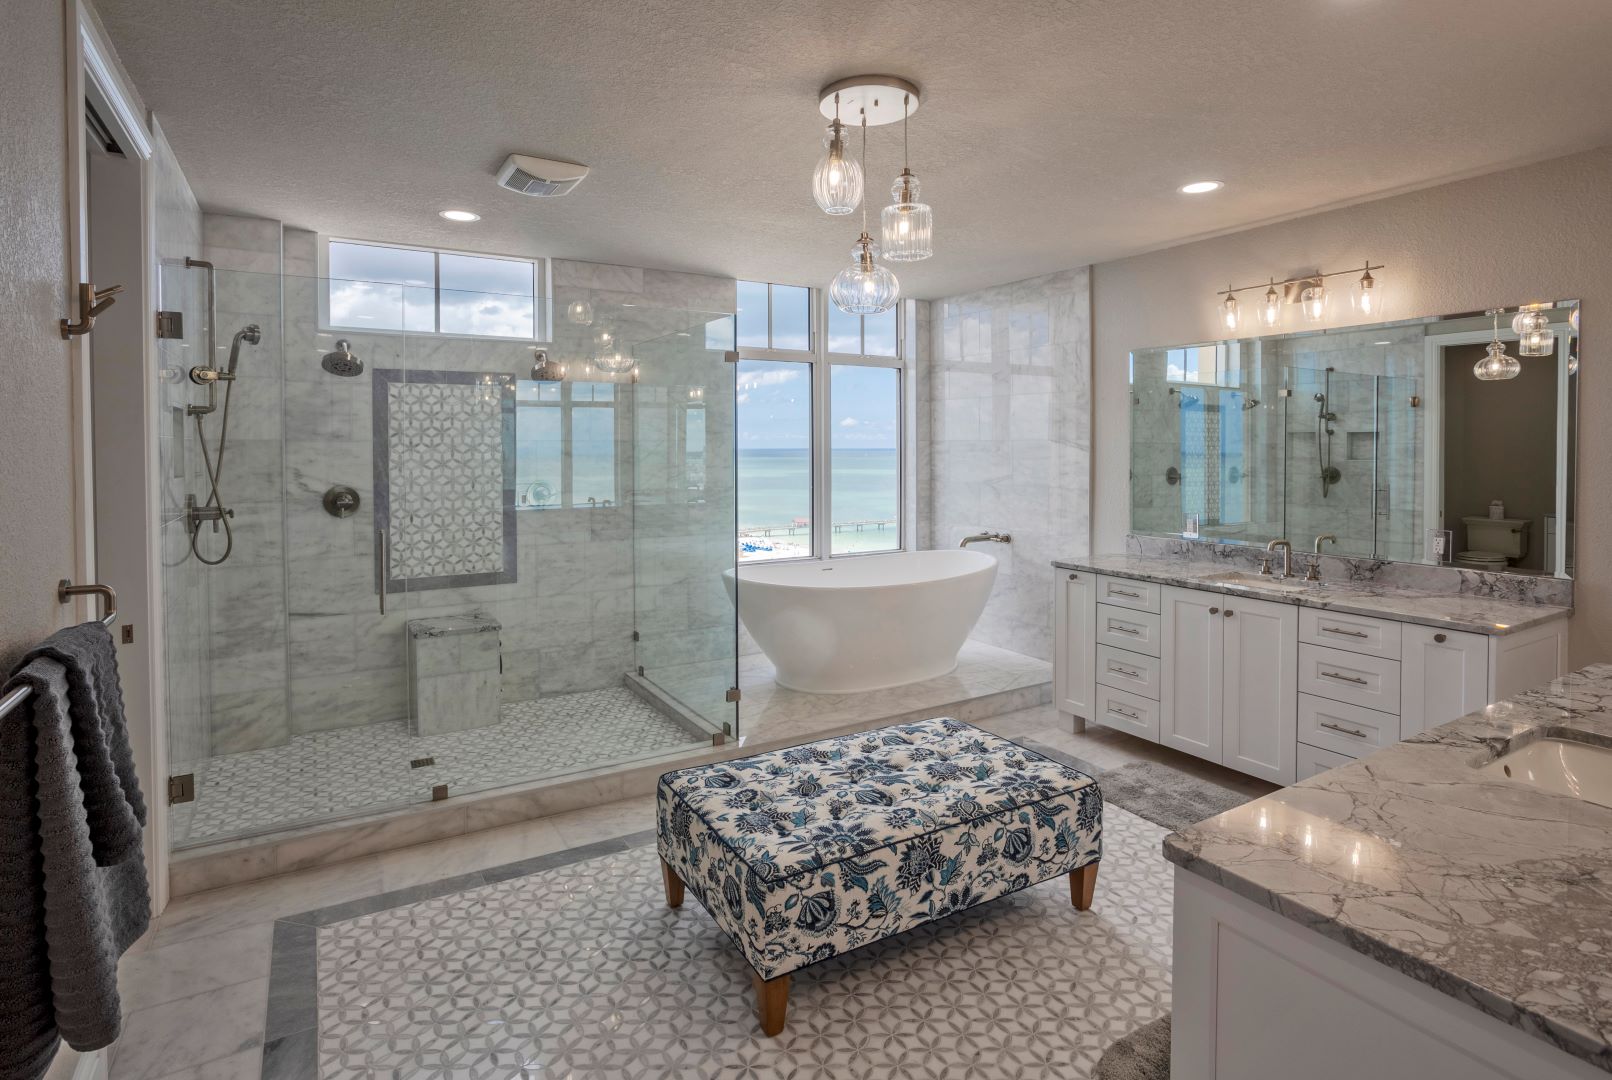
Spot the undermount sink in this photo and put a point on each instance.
(1236, 578)
(1560, 766)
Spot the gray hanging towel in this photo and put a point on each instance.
(65, 918)
(112, 801)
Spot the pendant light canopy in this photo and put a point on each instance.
(1496, 365)
(837, 181)
(908, 226)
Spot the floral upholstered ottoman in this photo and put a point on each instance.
(805, 853)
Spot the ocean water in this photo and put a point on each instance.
(775, 490)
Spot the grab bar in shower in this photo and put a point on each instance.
(65, 591)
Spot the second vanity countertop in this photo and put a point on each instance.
(1496, 893)
(1473, 614)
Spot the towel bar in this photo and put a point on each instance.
(65, 591)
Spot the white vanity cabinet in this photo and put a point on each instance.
(1272, 689)
(1074, 644)
(1228, 692)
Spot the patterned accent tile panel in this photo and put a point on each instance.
(328, 774)
(582, 971)
(449, 464)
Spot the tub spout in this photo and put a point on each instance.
(993, 537)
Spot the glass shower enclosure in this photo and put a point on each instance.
(404, 565)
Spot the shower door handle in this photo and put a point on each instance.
(380, 565)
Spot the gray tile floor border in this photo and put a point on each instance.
(291, 1031)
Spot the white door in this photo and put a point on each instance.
(1444, 675)
(1193, 640)
(1259, 729)
(1075, 650)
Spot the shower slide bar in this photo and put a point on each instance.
(65, 591)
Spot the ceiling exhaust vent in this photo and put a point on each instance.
(539, 176)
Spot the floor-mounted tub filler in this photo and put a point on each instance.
(864, 623)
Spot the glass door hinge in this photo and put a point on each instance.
(733, 693)
(730, 358)
(170, 324)
(182, 789)
(636, 636)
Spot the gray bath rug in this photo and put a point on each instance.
(1144, 1054)
(1161, 794)
(575, 967)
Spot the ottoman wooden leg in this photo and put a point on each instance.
(772, 998)
(674, 885)
(1082, 885)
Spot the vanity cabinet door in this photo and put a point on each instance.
(1075, 650)
(1259, 730)
(1444, 675)
(1193, 638)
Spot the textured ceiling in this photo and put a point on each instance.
(1053, 133)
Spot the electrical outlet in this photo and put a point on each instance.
(1439, 542)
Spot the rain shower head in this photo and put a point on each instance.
(343, 361)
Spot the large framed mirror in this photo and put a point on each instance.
(1448, 439)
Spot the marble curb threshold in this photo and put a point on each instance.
(238, 861)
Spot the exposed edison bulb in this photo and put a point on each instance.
(1368, 296)
(1313, 302)
(1229, 316)
(1270, 309)
(837, 180)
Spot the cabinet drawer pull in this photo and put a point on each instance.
(1341, 730)
(1125, 630)
(1117, 711)
(1125, 671)
(1124, 592)
(1214, 611)
(1343, 678)
(1345, 633)
(1230, 613)
(1440, 638)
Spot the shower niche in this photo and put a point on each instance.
(1378, 442)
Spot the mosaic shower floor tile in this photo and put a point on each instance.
(328, 774)
(582, 971)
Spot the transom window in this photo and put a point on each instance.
(414, 290)
(820, 417)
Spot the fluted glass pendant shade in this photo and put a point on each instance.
(579, 312)
(864, 287)
(1533, 333)
(1496, 365)
(615, 361)
(837, 181)
(907, 224)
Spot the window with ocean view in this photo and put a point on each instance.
(549, 416)
(819, 414)
(382, 287)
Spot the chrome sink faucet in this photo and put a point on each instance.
(1314, 573)
(1287, 557)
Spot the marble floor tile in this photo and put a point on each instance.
(190, 1031)
(155, 976)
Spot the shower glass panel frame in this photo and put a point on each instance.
(393, 624)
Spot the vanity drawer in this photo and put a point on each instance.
(1125, 592)
(1313, 761)
(1369, 681)
(1134, 631)
(1128, 712)
(1355, 633)
(1125, 670)
(1343, 728)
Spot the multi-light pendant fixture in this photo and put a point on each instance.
(906, 225)
(1309, 292)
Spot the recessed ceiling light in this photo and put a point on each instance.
(1201, 187)
(459, 215)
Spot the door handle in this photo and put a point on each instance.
(380, 565)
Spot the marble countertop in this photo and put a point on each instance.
(1495, 893)
(1474, 614)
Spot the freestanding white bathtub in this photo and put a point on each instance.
(863, 623)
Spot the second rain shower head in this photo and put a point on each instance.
(342, 361)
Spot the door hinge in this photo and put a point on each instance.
(640, 670)
(636, 637)
(181, 789)
(170, 324)
(730, 358)
(733, 694)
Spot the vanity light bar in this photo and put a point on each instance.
(1302, 279)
